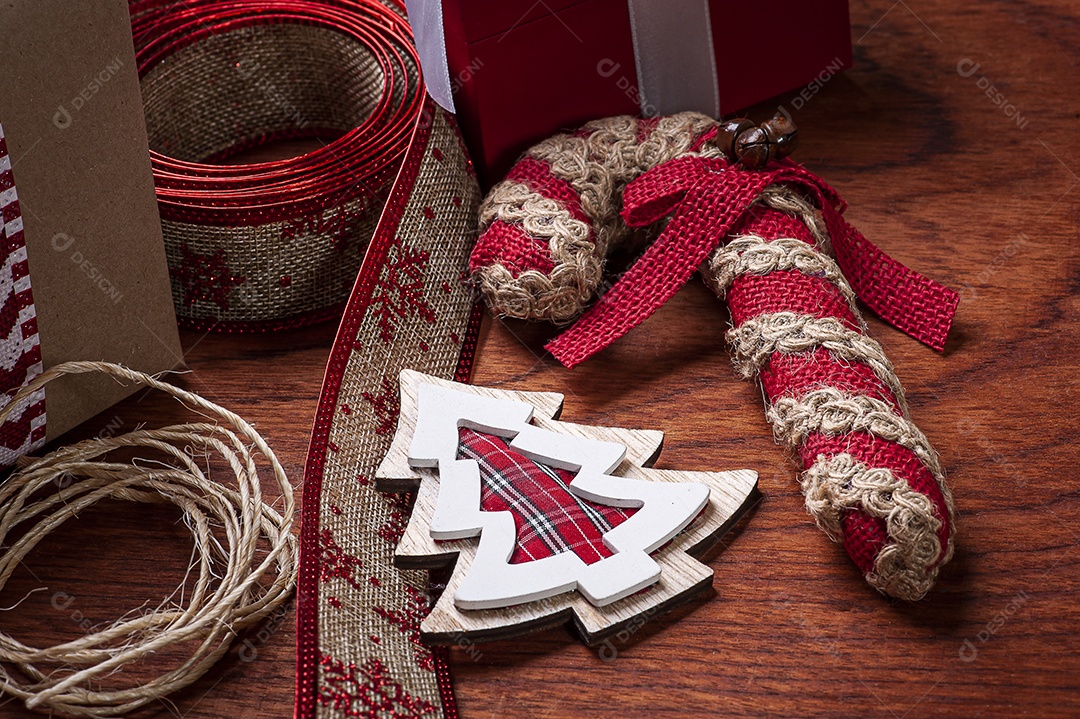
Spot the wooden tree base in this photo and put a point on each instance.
(682, 576)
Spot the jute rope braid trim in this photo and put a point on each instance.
(229, 593)
(515, 203)
(750, 254)
(829, 411)
(755, 340)
(908, 567)
(593, 166)
(558, 296)
(780, 197)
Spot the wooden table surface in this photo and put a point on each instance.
(954, 139)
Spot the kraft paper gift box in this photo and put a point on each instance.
(82, 266)
(518, 71)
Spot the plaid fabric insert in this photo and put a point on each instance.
(549, 518)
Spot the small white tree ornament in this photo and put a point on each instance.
(490, 597)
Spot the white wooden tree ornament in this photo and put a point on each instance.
(487, 596)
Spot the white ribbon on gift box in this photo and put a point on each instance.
(673, 52)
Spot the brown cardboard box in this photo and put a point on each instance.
(72, 120)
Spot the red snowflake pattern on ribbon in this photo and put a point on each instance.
(400, 509)
(386, 405)
(342, 227)
(335, 563)
(367, 690)
(399, 291)
(407, 620)
(206, 277)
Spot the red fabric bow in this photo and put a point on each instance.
(706, 198)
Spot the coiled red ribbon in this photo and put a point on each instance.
(278, 243)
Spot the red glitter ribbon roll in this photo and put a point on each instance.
(274, 244)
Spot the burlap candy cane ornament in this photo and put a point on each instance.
(770, 239)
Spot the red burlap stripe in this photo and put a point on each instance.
(537, 175)
(770, 224)
(874, 451)
(548, 517)
(788, 291)
(783, 290)
(864, 537)
(513, 248)
(796, 375)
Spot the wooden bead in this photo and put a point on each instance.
(755, 146)
(783, 134)
(753, 149)
(729, 132)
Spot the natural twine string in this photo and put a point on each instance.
(228, 594)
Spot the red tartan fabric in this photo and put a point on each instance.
(549, 518)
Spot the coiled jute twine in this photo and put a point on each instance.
(237, 584)
(269, 245)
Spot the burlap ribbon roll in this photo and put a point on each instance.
(273, 244)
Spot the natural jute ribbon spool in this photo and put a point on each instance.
(272, 244)
(231, 529)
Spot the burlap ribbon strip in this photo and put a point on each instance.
(359, 651)
(276, 244)
(707, 198)
(273, 244)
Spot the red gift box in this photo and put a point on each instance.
(519, 71)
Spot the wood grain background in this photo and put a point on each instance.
(976, 188)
